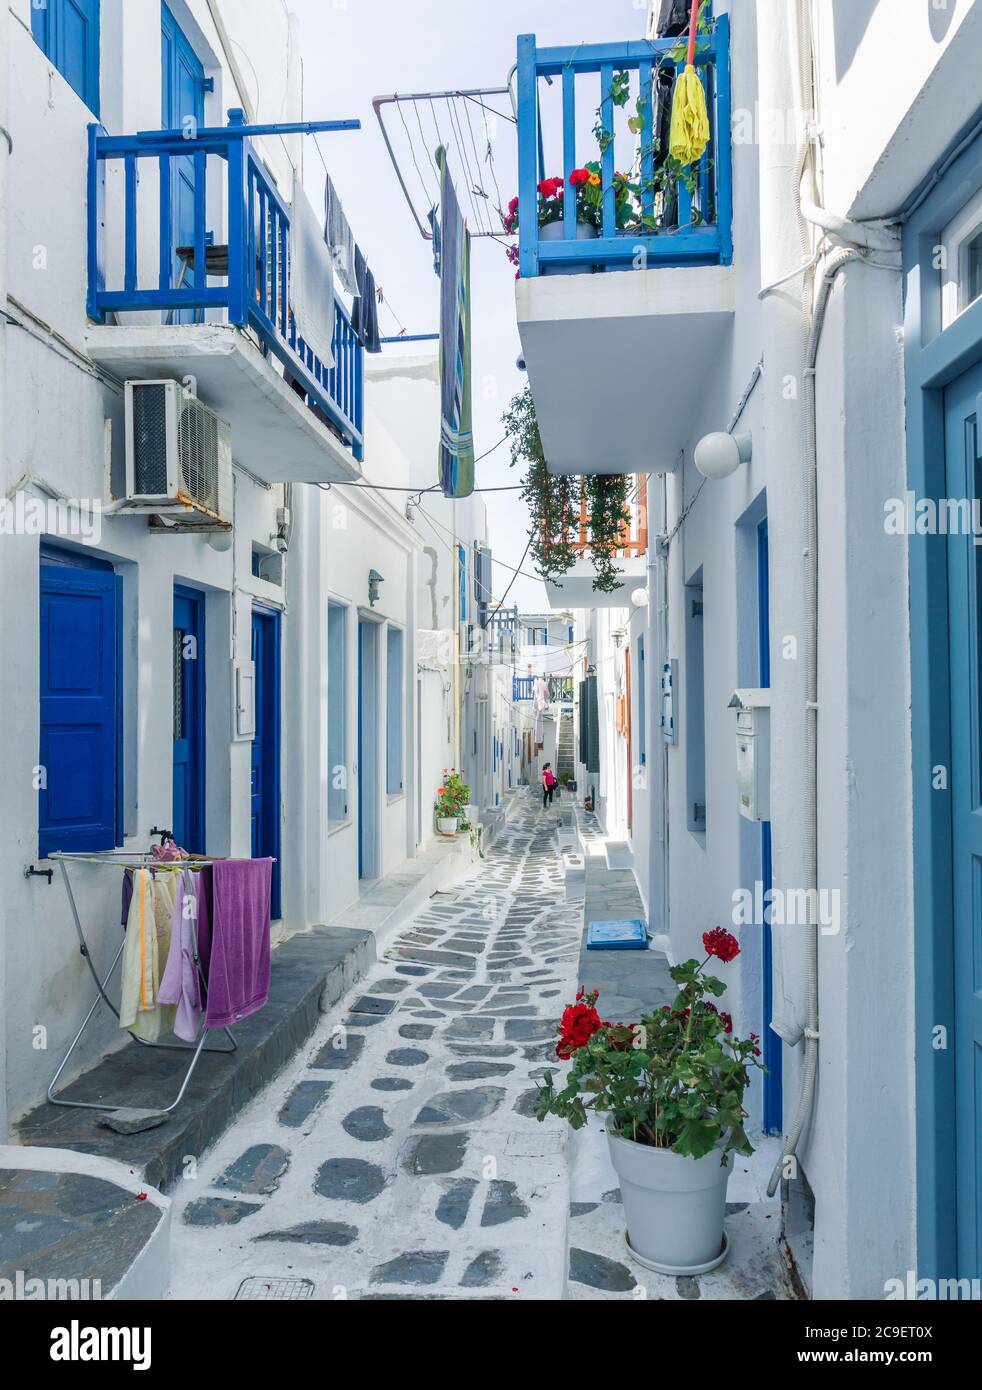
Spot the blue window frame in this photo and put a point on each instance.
(188, 794)
(67, 32)
(642, 707)
(80, 689)
(337, 712)
(462, 581)
(394, 704)
(695, 706)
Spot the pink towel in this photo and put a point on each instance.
(181, 984)
(238, 970)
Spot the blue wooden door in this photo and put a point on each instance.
(188, 813)
(182, 88)
(773, 1118)
(68, 33)
(963, 440)
(265, 771)
(79, 708)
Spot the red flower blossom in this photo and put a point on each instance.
(721, 944)
(578, 1024)
(578, 177)
(728, 1022)
(548, 188)
(513, 205)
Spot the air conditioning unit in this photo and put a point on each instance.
(178, 456)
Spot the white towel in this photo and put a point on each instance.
(311, 277)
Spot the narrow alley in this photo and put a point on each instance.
(400, 1149)
(399, 1157)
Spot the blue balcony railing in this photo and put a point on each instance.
(254, 266)
(676, 224)
(560, 688)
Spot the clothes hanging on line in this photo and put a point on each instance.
(338, 236)
(238, 941)
(364, 307)
(311, 278)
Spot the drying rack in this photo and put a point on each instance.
(121, 860)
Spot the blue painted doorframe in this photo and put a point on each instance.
(773, 1117)
(949, 1185)
(182, 88)
(265, 779)
(188, 813)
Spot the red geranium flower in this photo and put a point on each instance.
(721, 944)
(728, 1022)
(579, 177)
(550, 187)
(578, 1024)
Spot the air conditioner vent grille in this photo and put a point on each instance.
(197, 451)
(150, 438)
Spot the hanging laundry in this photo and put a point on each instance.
(364, 307)
(238, 967)
(456, 458)
(148, 930)
(181, 983)
(433, 218)
(311, 277)
(338, 236)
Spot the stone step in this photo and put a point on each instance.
(310, 973)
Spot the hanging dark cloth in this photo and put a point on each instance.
(364, 307)
(673, 18)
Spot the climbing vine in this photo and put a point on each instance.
(554, 504)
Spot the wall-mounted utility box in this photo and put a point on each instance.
(669, 685)
(244, 693)
(753, 750)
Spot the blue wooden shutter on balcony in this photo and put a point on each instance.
(78, 695)
(67, 31)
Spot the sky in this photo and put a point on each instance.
(354, 50)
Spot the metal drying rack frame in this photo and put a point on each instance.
(121, 860)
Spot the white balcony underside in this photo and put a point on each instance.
(274, 434)
(618, 362)
(575, 589)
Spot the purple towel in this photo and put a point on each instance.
(238, 971)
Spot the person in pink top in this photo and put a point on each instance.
(549, 784)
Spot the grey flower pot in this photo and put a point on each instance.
(674, 1206)
(553, 231)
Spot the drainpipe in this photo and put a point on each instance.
(5, 146)
(856, 243)
(658, 897)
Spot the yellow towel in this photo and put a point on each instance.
(690, 120)
(147, 942)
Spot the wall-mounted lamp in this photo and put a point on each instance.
(374, 580)
(640, 598)
(718, 455)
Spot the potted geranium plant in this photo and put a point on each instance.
(451, 798)
(672, 1088)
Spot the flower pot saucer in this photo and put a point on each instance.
(679, 1271)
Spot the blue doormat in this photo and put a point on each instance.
(617, 936)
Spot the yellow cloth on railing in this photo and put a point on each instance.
(690, 120)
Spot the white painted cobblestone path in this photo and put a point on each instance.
(397, 1157)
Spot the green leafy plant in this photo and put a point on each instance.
(675, 1080)
(452, 796)
(554, 504)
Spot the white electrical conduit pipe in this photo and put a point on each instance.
(830, 269)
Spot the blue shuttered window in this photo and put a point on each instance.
(393, 711)
(80, 682)
(68, 33)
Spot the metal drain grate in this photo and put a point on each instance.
(281, 1289)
